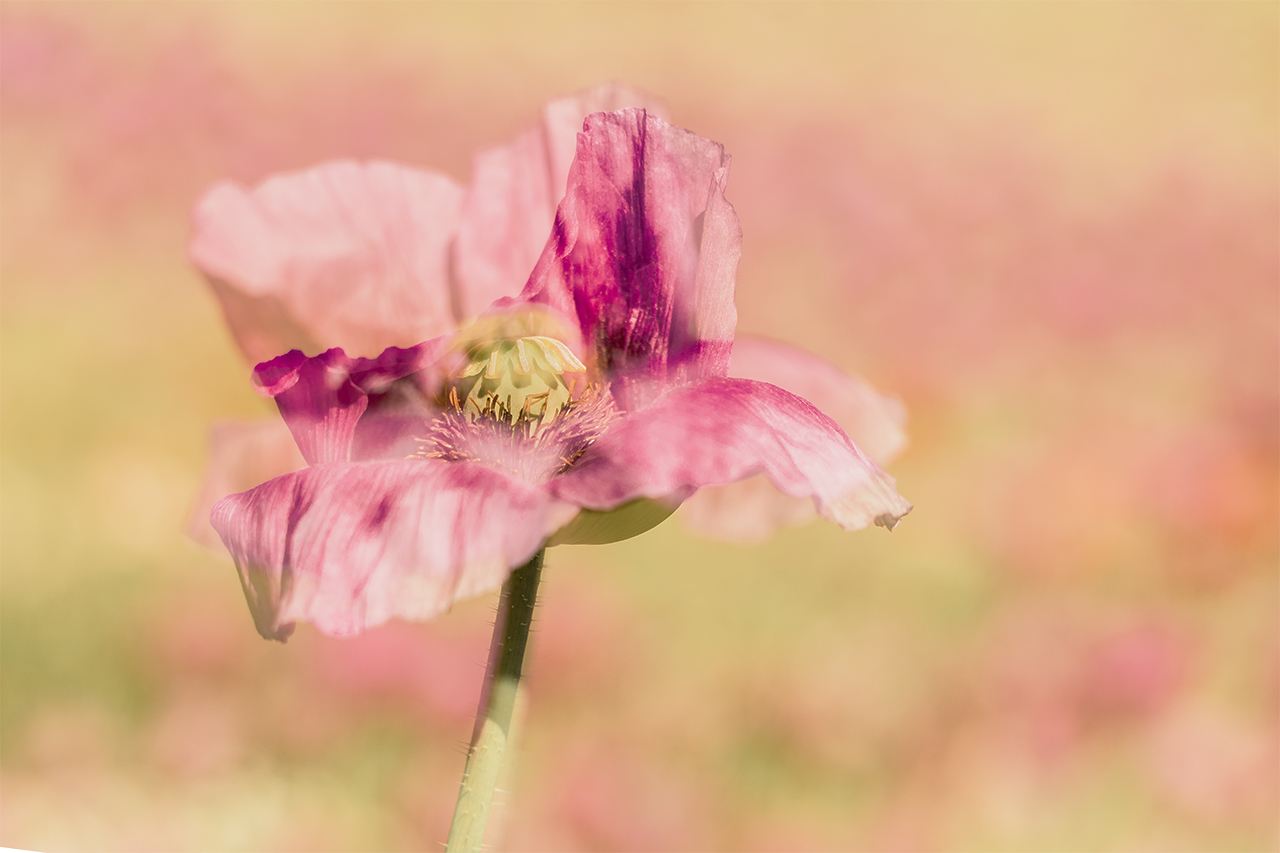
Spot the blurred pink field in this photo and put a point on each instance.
(1053, 230)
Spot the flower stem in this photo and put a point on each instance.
(493, 726)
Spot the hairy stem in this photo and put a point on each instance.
(493, 725)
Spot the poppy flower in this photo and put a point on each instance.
(583, 409)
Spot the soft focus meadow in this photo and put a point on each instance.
(1052, 230)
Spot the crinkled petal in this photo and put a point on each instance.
(505, 221)
(643, 253)
(352, 255)
(724, 430)
(318, 401)
(332, 400)
(752, 509)
(348, 546)
(511, 202)
(872, 420)
(562, 122)
(749, 510)
(241, 455)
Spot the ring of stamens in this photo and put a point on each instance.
(512, 406)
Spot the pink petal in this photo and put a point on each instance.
(318, 401)
(562, 122)
(332, 402)
(505, 221)
(348, 546)
(752, 509)
(344, 255)
(510, 205)
(643, 252)
(873, 421)
(724, 430)
(241, 455)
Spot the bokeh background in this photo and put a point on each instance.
(1051, 229)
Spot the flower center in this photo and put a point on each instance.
(510, 406)
(516, 381)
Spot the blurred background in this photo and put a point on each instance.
(1051, 229)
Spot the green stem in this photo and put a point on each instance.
(493, 726)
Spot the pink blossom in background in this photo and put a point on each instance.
(1213, 764)
(609, 796)
(398, 664)
(586, 636)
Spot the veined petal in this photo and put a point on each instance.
(752, 509)
(724, 430)
(506, 217)
(643, 252)
(349, 546)
(331, 400)
(511, 202)
(562, 122)
(346, 254)
(749, 510)
(241, 455)
(872, 420)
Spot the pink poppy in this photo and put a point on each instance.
(583, 408)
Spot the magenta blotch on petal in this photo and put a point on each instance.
(348, 546)
(511, 202)
(724, 430)
(643, 252)
(318, 400)
(562, 122)
(323, 398)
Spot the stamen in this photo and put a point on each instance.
(512, 406)
(523, 357)
(534, 450)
